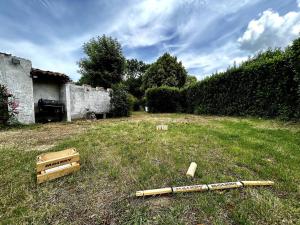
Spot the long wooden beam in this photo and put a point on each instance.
(203, 187)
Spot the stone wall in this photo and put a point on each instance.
(85, 97)
(16, 77)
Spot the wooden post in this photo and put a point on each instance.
(192, 169)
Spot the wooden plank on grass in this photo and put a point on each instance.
(60, 171)
(54, 159)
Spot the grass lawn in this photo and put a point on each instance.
(121, 156)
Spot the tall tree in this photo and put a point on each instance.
(165, 71)
(135, 68)
(104, 64)
(190, 80)
(134, 72)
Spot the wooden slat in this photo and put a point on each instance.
(46, 176)
(53, 159)
(55, 155)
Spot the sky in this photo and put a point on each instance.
(206, 35)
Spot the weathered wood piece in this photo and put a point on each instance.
(162, 127)
(203, 187)
(57, 164)
(223, 186)
(192, 188)
(191, 170)
(154, 192)
(257, 183)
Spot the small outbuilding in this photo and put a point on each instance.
(49, 96)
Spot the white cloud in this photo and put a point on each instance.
(271, 30)
(57, 56)
(148, 22)
(217, 60)
(155, 22)
(298, 1)
(144, 23)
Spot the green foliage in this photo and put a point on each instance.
(133, 102)
(8, 106)
(165, 71)
(133, 73)
(105, 63)
(120, 101)
(266, 85)
(295, 60)
(164, 99)
(190, 80)
(135, 68)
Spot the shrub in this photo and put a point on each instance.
(133, 102)
(8, 106)
(164, 99)
(120, 101)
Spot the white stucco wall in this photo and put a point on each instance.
(18, 81)
(82, 97)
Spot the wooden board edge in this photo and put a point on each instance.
(43, 177)
(40, 166)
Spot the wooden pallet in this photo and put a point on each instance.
(52, 165)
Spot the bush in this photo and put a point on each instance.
(120, 101)
(164, 99)
(133, 102)
(8, 106)
(264, 86)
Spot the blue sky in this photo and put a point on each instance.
(206, 35)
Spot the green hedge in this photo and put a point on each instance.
(164, 99)
(265, 86)
(120, 101)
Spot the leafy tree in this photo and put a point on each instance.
(134, 71)
(135, 68)
(104, 64)
(165, 71)
(190, 80)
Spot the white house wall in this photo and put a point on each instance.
(16, 77)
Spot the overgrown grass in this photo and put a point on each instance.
(121, 156)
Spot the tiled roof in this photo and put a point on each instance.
(44, 74)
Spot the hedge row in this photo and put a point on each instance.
(164, 99)
(267, 85)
